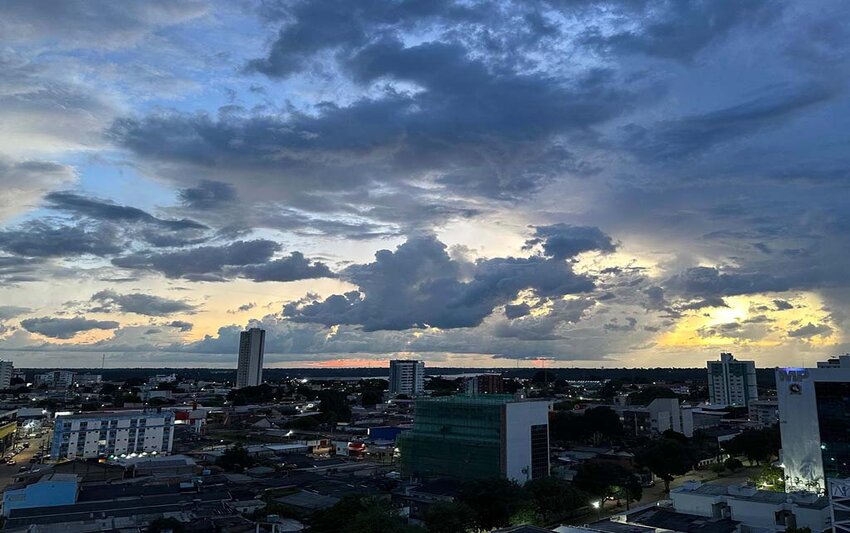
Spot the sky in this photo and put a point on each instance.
(618, 183)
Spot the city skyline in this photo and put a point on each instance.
(490, 184)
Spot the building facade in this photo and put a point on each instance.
(660, 415)
(732, 382)
(252, 345)
(56, 379)
(764, 413)
(813, 418)
(104, 434)
(407, 377)
(7, 371)
(88, 379)
(484, 384)
(477, 437)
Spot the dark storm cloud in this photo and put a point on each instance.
(673, 139)
(782, 305)
(101, 210)
(64, 328)
(201, 263)
(517, 311)
(316, 26)
(39, 238)
(142, 304)
(678, 29)
(290, 268)
(419, 285)
(208, 194)
(561, 241)
(702, 303)
(616, 325)
(248, 259)
(811, 330)
(180, 325)
(711, 282)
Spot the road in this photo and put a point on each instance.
(9, 472)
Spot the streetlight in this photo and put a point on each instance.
(598, 506)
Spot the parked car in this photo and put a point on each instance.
(10, 462)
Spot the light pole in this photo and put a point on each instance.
(597, 504)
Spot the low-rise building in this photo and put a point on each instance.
(764, 413)
(51, 490)
(56, 379)
(660, 415)
(104, 434)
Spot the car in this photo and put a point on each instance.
(23, 469)
(10, 462)
(26, 444)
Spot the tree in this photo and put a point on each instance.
(608, 480)
(450, 517)
(235, 458)
(647, 394)
(334, 407)
(602, 420)
(554, 499)
(733, 464)
(675, 435)
(495, 501)
(666, 458)
(166, 524)
(356, 513)
(770, 478)
(756, 445)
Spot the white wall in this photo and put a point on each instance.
(519, 417)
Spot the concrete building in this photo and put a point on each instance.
(764, 413)
(56, 379)
(477, 437)
(252, 345)
(104, 434)
(7, 371)
(659, 416)
(407, 377)
(813, 421)
(88, 379)
(732, 382)
(756, 510)
(484, 384)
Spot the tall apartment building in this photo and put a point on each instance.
(407, 377)
(56, 379)
(252, 345)
(813, 419)
(104, 434)
(477, 437)
(732, 382)
(484, 384)
(7, 371)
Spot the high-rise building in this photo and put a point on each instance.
(484, 384)
(407, 377)
(249, 372)
(104, 434)
(732, 382)
(814, 425)
(477, 437)
(7, 370)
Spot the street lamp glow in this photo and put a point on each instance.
(595, 504)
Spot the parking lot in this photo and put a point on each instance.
(8, 472)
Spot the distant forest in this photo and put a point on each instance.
(764, 376)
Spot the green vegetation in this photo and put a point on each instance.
(770, 478)
(666, 458)
(360, 514)
(595, 424)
